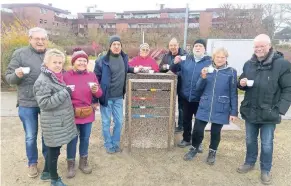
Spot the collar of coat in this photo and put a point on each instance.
(51, 75)
(267, 61)
(180, 52)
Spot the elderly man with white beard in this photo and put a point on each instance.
(190, 67)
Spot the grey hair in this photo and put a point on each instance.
(37, 29)
(53, 52)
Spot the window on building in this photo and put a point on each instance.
(40, 21)
(44, 21)
(53, 23)
(43, 11)
(57, 24)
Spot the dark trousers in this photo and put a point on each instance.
(51, 162)
(198, 134)
(180, 109)
(189, 108)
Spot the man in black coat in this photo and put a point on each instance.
(266, 80)
(167, 60)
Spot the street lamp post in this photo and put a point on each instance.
(186, 26)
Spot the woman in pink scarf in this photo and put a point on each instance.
(85, 85)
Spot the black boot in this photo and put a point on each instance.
(200, 148)
(190, 154)
(211, 157)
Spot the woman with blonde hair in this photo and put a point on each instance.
(218, 104)
(57, 114)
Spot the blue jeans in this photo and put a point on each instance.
(114, 108)
(84, 133)
(29, 119)
(267, 136)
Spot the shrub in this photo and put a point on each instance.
(14, 36)
(87, 48)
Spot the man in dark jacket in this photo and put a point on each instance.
(266, 80)
(23, 70)
(111, 71)
(190, 70)
(174, 50)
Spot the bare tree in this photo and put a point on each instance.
(237, 21)
(275, 16)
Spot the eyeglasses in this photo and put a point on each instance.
(260, 47)
(145, 50)
(39, 39)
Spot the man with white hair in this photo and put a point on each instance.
(266, 80)
(23, 70)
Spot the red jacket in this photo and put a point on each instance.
(82, 95)
(145, 62)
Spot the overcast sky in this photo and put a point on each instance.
(125, 5)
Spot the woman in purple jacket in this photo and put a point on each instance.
(84, 85)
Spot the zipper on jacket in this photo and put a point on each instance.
(259, 93)
(192, 81)
(212, 96)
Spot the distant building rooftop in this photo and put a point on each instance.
(49, 7)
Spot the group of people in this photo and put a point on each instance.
(206, 88)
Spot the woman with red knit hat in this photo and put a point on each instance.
(84, 85)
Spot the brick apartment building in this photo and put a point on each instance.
(55, 20)
(45, 16)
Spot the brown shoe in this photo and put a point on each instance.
(71, 169)
(245, 168)
(32, 171)
(83, 165)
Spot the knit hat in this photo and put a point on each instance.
(144, 45)
(114, 38)
(78, 52)
(200, 41)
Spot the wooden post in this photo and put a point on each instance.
(129, 115)
(170, 127)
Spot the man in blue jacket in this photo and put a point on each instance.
(190, 69)
(111, 71)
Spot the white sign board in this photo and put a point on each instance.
(240, 50)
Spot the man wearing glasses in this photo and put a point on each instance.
(23, 70)
(266, 80)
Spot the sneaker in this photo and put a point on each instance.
(57, 182)
(211, 157)
(266, 178)
(245, 168)
(117, 149)
(110, 150)
(200, 148)
(183, 144)
(32, 171)
(179, 129)
(45, 176)
(191, 154)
